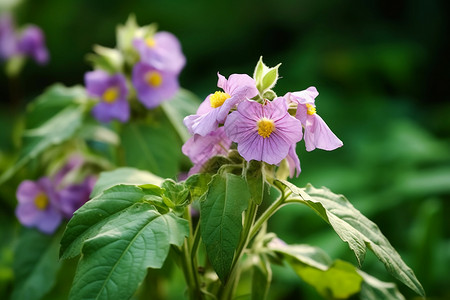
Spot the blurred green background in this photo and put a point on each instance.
(381, 68)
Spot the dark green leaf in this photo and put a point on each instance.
(153, 147)
(124, 175)
(198, 184)
(352, 227)
(221, 220)
(35, 265)
(255, 180)
(115, 260)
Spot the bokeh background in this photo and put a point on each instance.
(381, 68)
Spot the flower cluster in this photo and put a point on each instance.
(44, 203)
(265, 127)
(29, 41)
(154, 74)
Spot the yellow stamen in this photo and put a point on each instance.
(111, 94)
(265, 127)
(218, 98)
(310, 109)
(41, 201)
(154, 78)
(150, 42)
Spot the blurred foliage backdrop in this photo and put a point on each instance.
(381, 68)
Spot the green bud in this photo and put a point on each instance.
(270, 95)
(265, 77)
(108, 59)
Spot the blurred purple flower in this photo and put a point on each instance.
(8, 38)
(162, 51)
(263, 132)
(317, 132)
(215, 108)
(32, 43)
(153, 85)
(201, 148)
(38, 205)
(73, 196)
(112, 91)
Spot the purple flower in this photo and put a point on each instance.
(263, 132)
(201, 148)
(112, 91)
(162, 51)
(8, 39)
(73, 196)
(215, 108)
(32, 43)
(153, 85)
(38, 205)
(317, 133)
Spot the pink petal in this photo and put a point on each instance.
(319, 135)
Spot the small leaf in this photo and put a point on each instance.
(259, 70)
(115, 260)
(352, 227)
(124, 175)
(270, 78)
(374, 289)
(221, 220)
(197, 184)
(35, 265)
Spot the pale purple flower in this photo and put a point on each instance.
(293, 162)
(263, 132)
(161, 51)
(32, 43)
(317, 132)
(215, 108)
(201, 148)
(73, 196)
(112, 92)
(8, 38)
(38, 205)
(153, 85)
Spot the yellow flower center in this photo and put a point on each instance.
(218, 98)
(41, 201)
(111, 94)
(310, 109)
(154, 78)
(265, 127)
(150, 42)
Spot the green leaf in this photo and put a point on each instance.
(36, 264)
(152, 146)
(89, 219)
(183, 104)
(354, 228)
(259, 70)
(270, 78)
(115, 260)
(255, 180)
(54, 131)
(221, 220)
(261, 277)
(125, 175)
(198, 184)
(374, 289)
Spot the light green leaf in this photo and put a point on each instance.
(154, 147)
(260, 69)
(183, 104)
(374, 289)
(115, 260)
(36, 264)
(55, 131)
(261, 277)
(89, 219)
(354, 228)
(221, 220)
(125, 175)
(270, 78)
